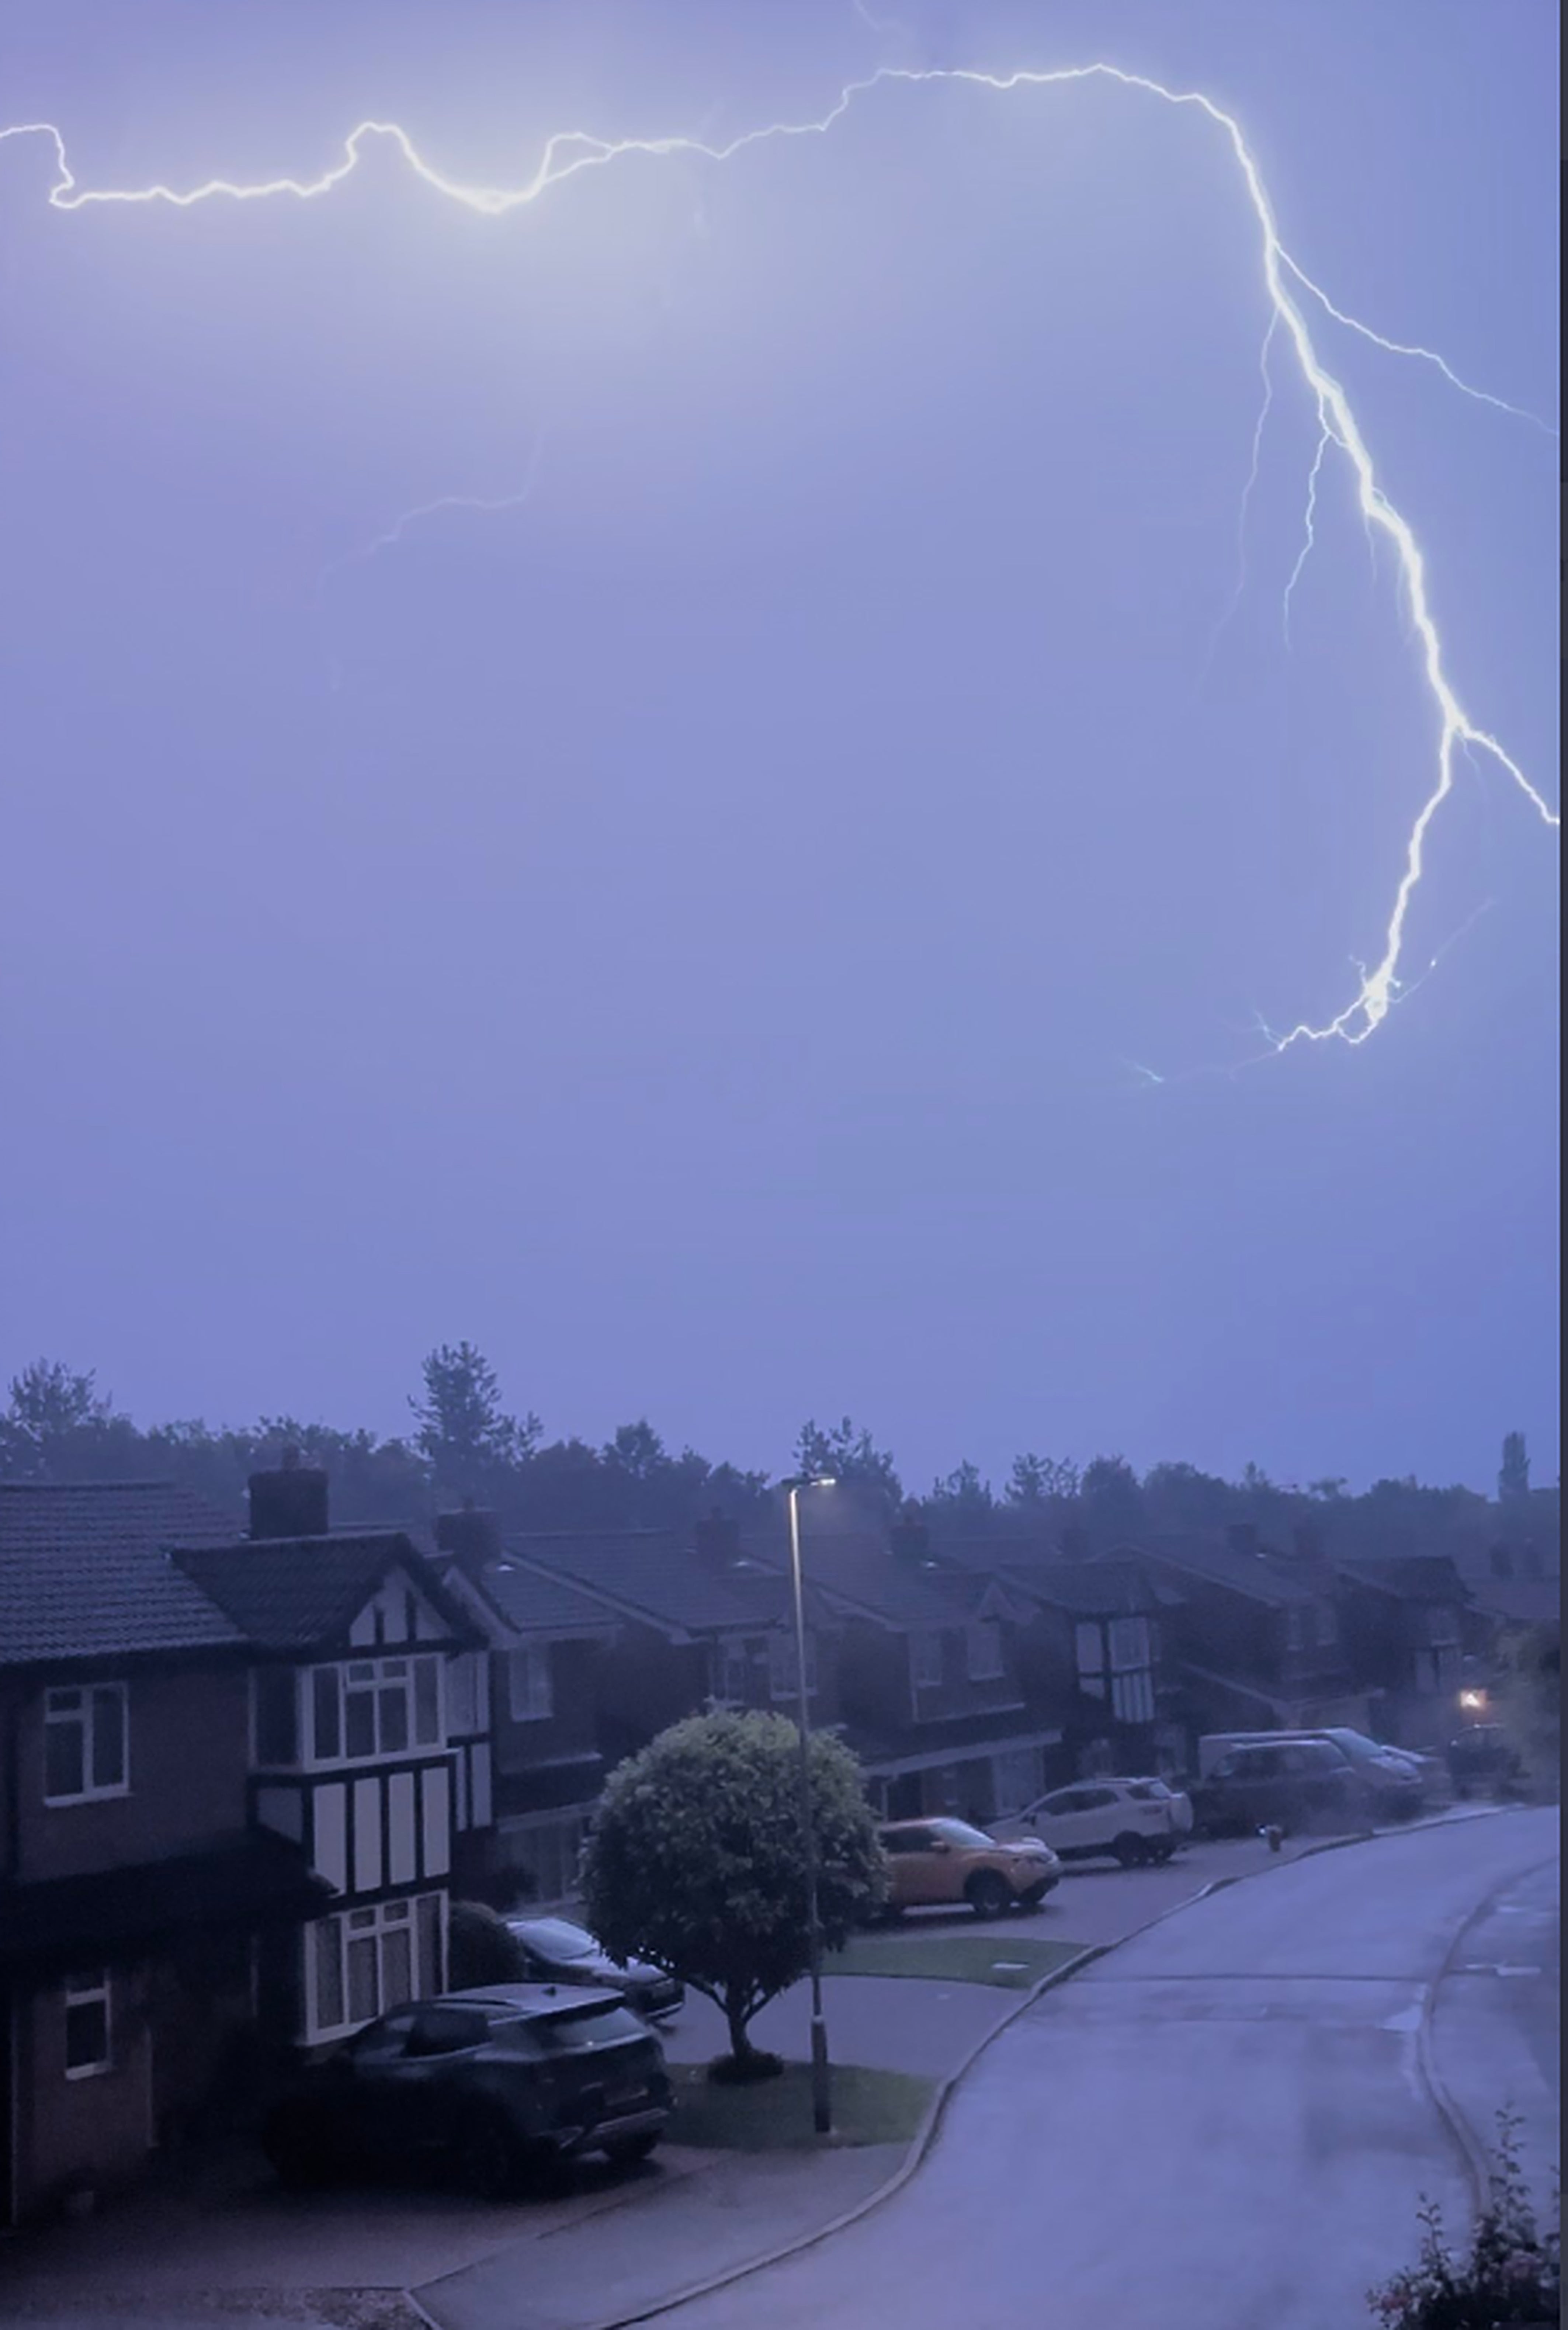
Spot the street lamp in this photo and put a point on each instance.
(821, 2076)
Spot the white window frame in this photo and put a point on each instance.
(732, 1665)
(780, 1664)
(72, 1704)
(927, 1659)
(530, 1683)
(985, 1651)
(90, 1989)
(1129, 1644)
(395, 1672)
(1089, 1652)
(1133, 1696)
(372, 1922)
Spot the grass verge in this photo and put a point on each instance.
(775, 2115)
(1005, 1963)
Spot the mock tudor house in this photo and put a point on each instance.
(233, 1773)
(351, 1634)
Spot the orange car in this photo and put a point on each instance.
(947, 1861)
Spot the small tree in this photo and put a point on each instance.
(1512, 2279)
(695, 1862)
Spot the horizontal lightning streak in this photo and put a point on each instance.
(567, 153)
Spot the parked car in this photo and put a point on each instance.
(488, 2082)
(1393, 1784)
(555, 1950)
(1289, 1783)
(1483, 1755)
(947, 1861)
(1132, 1821)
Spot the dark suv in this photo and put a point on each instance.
(1297, 1784)
(490, 2082)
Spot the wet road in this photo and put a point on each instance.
(1225, 2125)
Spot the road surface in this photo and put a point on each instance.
(1224, 2126)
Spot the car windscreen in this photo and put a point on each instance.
(556, 1937)
(960, 1834)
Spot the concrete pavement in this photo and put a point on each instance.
(1223, 2125)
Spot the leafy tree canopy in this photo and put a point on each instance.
(695, 1862)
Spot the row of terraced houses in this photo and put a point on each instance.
(242, 1775)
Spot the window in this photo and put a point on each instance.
(1091, 1658)
(1129, 1643)
(1328, 1625)
(275, 1701)
(369, 1961)
(927, 1657)
(376, 1706)
(87, 2034)
(1133, 1697)
(464, 1693)
(983, 1639)
(1442, 1627)
(528, 1685)
(84, 1743)
(781, 1663)
(908, 1839)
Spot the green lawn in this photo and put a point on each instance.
(1009, 1964)
(775, 2115)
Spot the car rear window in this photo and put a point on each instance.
(447, 2029)
(555, 1937)
(587, 2024)
(1149, 1792)
(959, 1833)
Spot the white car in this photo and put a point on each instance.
(1134, 1820)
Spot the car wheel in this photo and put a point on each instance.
(1130, 1851)
(488, 2165)
(625, 2151)
(987, 1894)
(299, 2156)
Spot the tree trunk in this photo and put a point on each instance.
(736, 2014)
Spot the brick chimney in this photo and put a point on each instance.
(718, 1541)
(910, 1540)
(291, 1501)
(472, 1537)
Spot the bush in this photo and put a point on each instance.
(695, 1862)
(478, 1948)
(1512, 2279)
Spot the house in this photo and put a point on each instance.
(1403, 1620)
(1255, 1633)
(537, 1685)
(932, 1685)
(1095, 1654)
(349, 1636)
(702, 1622)
(138, 1897)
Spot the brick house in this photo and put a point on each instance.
(538, 1682)
(137, 1895)
(1256, 1634)
(1094, 1656)
(1404, 1622)
(931, 1684)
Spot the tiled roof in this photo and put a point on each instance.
(530, 1603)
(861, 1568)
(1416, 1576)
(659, 1574)
(1263, 1576)
(84, 1572)
(304, 1592)
(1112, 1589)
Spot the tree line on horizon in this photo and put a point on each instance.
(465, 1444)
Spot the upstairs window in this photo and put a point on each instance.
(926, 1652)
(529, 1684)
(84, 1744)
(987, 1664)
(1089, 1642)
(780, 1661)
(376, 1706)
(1129, 1643)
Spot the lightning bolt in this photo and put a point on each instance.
(568, 153)
(1324, 440)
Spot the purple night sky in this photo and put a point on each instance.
(698, 933)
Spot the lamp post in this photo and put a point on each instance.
(821, 2076)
